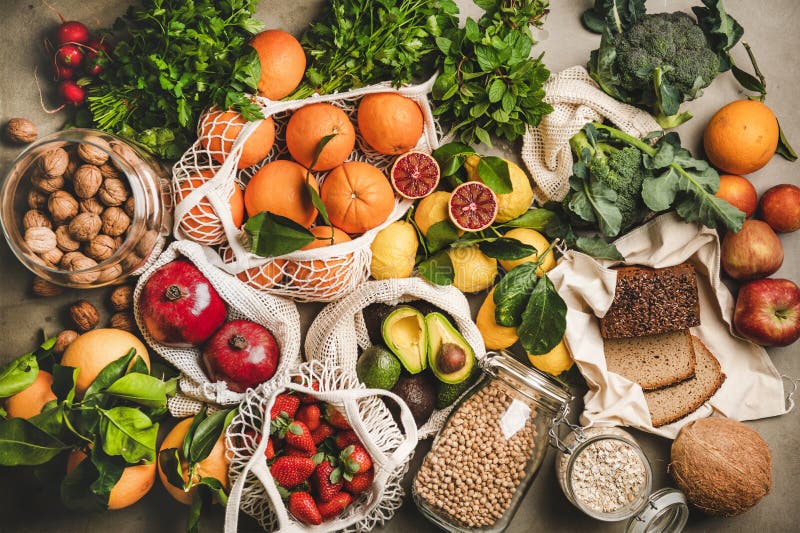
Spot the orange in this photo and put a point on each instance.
(283, 63)
(219, 129)
(738, 192)
(741, 137)
(92, 351)
(29, 402)
(389, 122)
(201, 223)
(358, 197)
(135, 482)
(309, 125)
(261, 277)
(280, 188)
(215, 465)
(326, 278)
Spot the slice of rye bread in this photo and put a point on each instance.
(673, 403)
(650, 301)
(654, 361)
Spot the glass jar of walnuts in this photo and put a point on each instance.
(83, 208)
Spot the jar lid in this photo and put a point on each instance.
(666, 512)
(542, 388)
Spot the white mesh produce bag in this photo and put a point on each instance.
(339, 331)
(253, 488)
(279, 316)
(203, 188)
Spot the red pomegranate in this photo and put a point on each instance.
(241, 353)
(179, 305)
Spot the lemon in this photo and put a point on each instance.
(495, 336)
(394, 251)
(473, 270)
(512, 204)
(430, 210)
(538, 241)
(555, 362)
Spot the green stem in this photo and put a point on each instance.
(757, 70)
(619, 135)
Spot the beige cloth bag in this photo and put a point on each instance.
(576, 100)
(753, 388)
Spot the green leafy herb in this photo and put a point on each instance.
(544, 320)
(273, 235)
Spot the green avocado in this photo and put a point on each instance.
(447, 393)
(450, 356)
(378, 368)
(405, 335)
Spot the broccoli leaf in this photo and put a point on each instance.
(598, 247)
(721, 29)
(617, 15)
(601, 67)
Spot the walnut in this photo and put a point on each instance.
(78, 264)
(64, 240)
(129, 206)
(86, 181)
(62, 206)
(52, 257)
(54, 162)
(131, 262)
(91, 205)
(115, 221)
(95, 153)
(36, 219)
(40, 240)
(37, 199)
(110, 274)
(113, 192)
(147, 243)
(21, 131)
(69, 257)
(121, 298)
(100, 248)
(124, 321)
(84, 315)
(63, 340)
(126, 153)
(47, 184)
(85, 226)
(72, 166)
(110, 171)
(42, 287)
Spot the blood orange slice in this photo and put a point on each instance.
(415, 175)
(472, 206)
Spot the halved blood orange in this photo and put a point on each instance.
(415, 175)
(472, 206)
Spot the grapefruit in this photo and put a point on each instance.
(29, 402)
(280, 188)
(741, 137)
(390, 123)
(472, 206)
(415, 175)
(219, 129)
(283, 63)
(201, 223)
(135, 482)
(325, 278)
(309, 125)
(358, 197)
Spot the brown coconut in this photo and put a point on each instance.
(722, 466)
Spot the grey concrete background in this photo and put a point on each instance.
(771, 28)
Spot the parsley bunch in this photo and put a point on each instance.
(174, 59)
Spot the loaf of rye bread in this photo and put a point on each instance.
(654, 361)
(650, 301)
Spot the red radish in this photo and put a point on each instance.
(69, 56)
(99, 46)
(62, 73)
(71, 93)
(71, 32)
(96, 56)
(242, 354)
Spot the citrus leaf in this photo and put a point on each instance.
(440, 234)
(141, 389)
(22, 443)
(196, 421)
(207, 434)
(321, 146)
(110, 373)
(506, 248)
(317, 201)
(597, 247)
(493, 171)
(438, 269)
(512, 294)
(128, 432)
(537, 219)
(170, 462)
(18, 375)
(64, 378)
(785, 149)
(273, 235)
(544, 320)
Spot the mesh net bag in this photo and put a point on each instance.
(339, 331)
(279, 316)
(205, 183)
(253, 489)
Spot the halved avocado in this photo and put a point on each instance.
(405, 334)
(450, 356)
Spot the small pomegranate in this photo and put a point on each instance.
(241, 353)
(179, 306)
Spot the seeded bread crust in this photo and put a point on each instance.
(651, 301)
(673, 403)
(655, 361)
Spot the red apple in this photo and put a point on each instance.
(754, 252)
(768, 312)
(241, 353)
(179, 305)
(738, 192)
(780, 208)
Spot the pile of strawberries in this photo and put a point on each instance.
(318, 462)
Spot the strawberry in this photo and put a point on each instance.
(298, 436)
(309, 398)
(304, 508)
(294, 452)
(335, 418)
(290, 471)
(284, 403)
(269, 451)
(335, 506)
(321, 433)
(326, 481)
(355, 459)
(309, 415)
(346, 438)
(360, 482)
